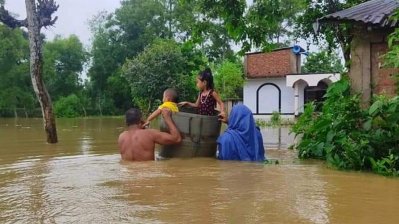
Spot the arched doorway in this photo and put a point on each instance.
(268, 99)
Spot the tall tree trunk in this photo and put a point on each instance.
(36, 68)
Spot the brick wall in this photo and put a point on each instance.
(271, 64)
(382, 77)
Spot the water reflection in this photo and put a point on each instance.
(278, 137)
(82, 180)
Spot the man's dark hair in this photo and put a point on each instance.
(172, 93)
(133, 116)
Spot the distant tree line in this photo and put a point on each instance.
(145, 46)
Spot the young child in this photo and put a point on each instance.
(169, 101)
(207, 98)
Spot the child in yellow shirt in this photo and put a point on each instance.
(169, 101)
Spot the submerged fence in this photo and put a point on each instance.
(37, 112)
(20, 112)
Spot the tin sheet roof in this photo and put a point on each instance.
(374, 12)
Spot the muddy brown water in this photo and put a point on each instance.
(82, 180)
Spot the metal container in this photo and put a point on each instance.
(199, 135)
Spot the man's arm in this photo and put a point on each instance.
(165, 138)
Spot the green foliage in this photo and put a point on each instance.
(268, 23)
(275, 119)
(335, 35)
(387, 166)
(391, 57)
(348, 137)
(158, 67)
(264, 24)
(63, 63)
(323, 61)
(128, 31)
(137, 23)
(108, 53)
(229, 80)
(15, 85)
(229, 11)
(69, 106)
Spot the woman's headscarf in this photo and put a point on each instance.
(242, 140)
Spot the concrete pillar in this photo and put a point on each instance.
(296, 99)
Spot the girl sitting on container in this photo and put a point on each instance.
(208, 97)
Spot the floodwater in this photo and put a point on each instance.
(83, 180)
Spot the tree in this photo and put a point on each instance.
(126, 32)
(323, 61)
(63, 62)
(158, 67)
(141, 22)
(229, 80)
(38, 15)
(15, 87)
(195, 27)
(69, 106)
(264, 24)
(268, 23)
(108, 53)
(336, 35)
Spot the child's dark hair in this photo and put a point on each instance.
(206, 75)
(172, 93)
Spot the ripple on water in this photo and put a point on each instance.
(83, 180)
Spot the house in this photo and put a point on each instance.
(274, 83)
(371, 27)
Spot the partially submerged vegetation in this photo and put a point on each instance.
(275, 121)
(348, 136)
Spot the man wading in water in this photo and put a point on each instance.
(138, 144)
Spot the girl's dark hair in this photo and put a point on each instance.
(206, 75)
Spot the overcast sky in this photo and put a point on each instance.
(73, 16)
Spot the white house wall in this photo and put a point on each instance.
(301, 86)
(312, 79)
(268, 96)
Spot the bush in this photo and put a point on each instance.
(68, 107)
(349, 137)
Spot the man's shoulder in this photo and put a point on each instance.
(148, 132)
(122, 134)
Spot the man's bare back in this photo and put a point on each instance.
(138, 144)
